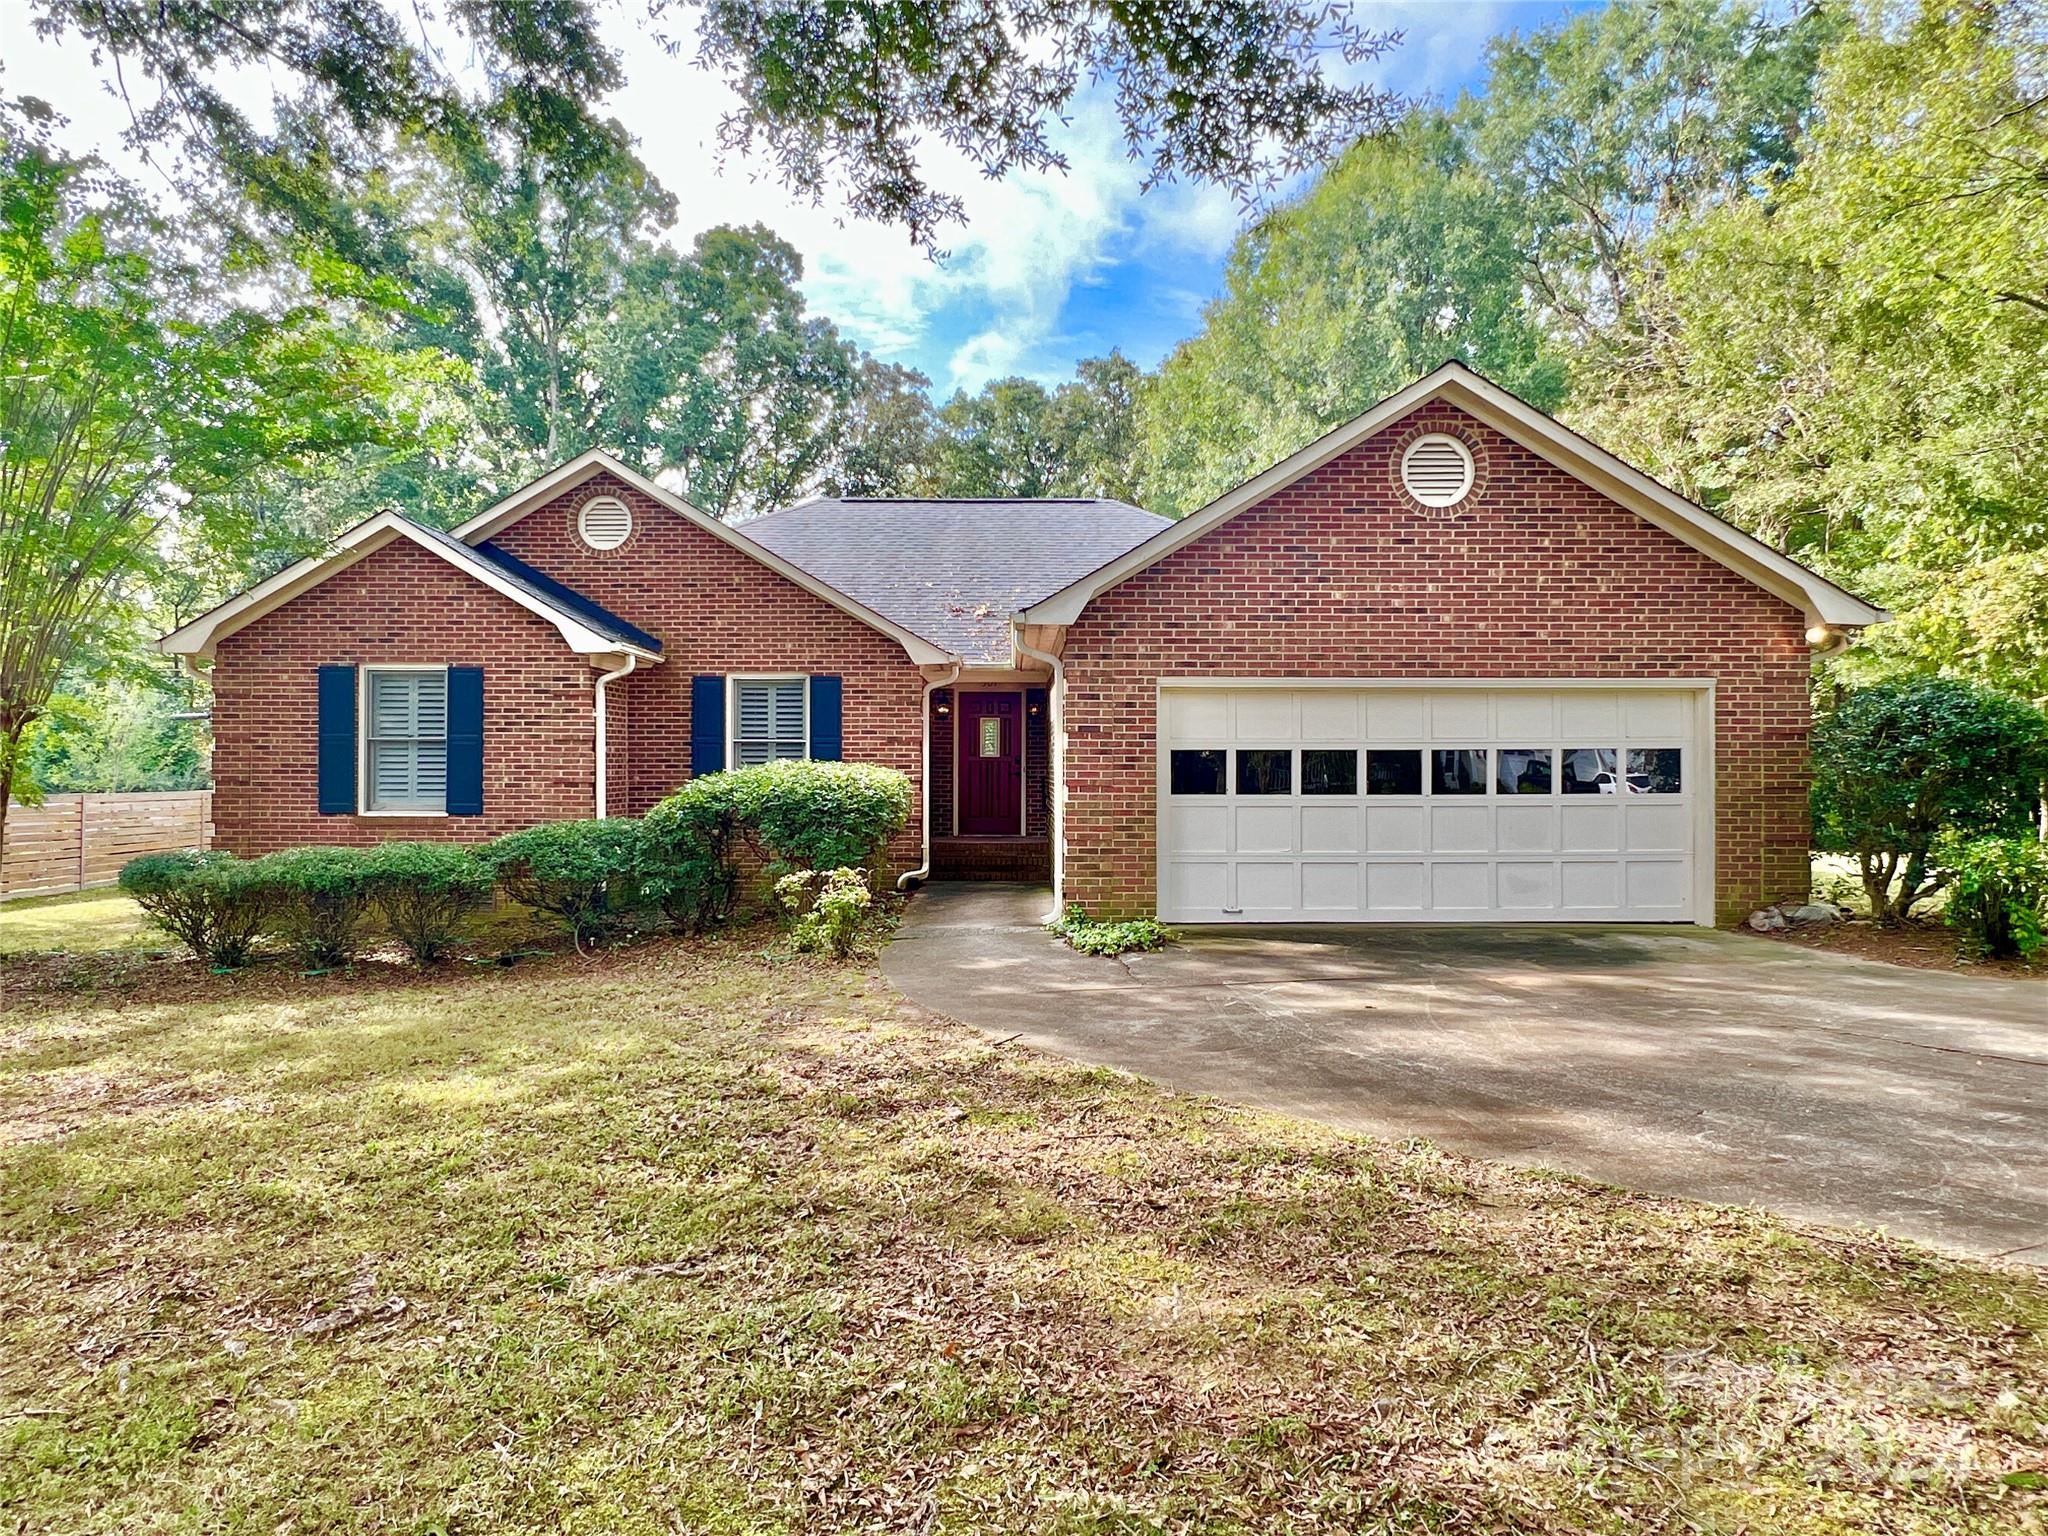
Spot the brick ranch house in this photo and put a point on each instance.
(1450, 662)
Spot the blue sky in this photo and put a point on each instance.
(1047, 270)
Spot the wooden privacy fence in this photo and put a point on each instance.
(70, 842)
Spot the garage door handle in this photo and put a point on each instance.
(1232, 911)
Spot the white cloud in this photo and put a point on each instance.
(994, 303)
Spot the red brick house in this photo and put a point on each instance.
(1450, 662)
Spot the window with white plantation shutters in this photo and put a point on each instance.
(406, 746)
(770, 719)
(1437, 470)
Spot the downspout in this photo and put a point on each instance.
(923, 871)
(609, 677)
(1057, 694)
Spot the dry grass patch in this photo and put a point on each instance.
(687, 1239)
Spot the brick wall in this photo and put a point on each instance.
(1536, 576)
(398, 605)
(717, 609)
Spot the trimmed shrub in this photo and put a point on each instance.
(423, 891)
(800, 815)
(1899, 765)
(1093, 938)
(1998, 894)
(318, 898)
(685, 858)
(827, 911)
(820, 815)
(583, 872)
(210, 902)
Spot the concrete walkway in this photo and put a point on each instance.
(1683, 1061)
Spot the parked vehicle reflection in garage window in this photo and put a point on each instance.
(1589, 770)
(1654, 771)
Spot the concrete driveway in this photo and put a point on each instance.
(1683, 1061)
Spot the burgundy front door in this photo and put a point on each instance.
(991, 763)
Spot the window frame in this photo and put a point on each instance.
(364, 788)
(732, 712)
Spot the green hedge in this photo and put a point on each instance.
(683, 856)
(317, 900)
(1998, 894)
(423, 891)
(584, 872)
(211, 902)
(801, 815)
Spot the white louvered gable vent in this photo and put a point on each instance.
(1437, 470)
(605, 522)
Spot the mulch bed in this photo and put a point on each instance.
(1925, 946)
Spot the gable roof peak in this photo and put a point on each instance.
(1465, 387)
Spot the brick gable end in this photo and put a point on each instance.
(1535, 576)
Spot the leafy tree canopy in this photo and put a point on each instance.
(838, 97)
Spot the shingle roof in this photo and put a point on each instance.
(952, 570)
(545, 589)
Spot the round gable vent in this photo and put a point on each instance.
(1437, 470)
(605, 522)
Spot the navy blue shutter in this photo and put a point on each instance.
(707, 725)
(337, 751)
(825, 722)
(465, 741)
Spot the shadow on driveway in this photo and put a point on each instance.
(1675, 1060)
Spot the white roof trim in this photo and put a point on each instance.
(1821, 600)
(198, 639)
(596, 461)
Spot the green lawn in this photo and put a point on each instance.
(690, 1239)
(81, 923)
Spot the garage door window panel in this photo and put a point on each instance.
(1196, 772)
(1327, 771)
(1457, 771)
(1589, 770)
(1265, 771)
(1393, 773)
(1655, 771)
(1522, 771)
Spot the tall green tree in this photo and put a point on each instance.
(1402, 255)
(1850, 363)
(1616, 125)
(888, 435)
(1093, 424)
(995, 442)
(131, 397)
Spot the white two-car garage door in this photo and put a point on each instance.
(1285, 802)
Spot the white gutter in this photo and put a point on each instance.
(924, 779)
(1057, 694)
(612, 676)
